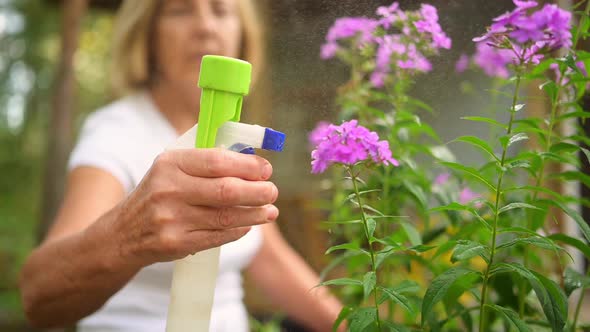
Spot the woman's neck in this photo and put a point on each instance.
(179, 104)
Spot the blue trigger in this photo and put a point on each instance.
(242, 148)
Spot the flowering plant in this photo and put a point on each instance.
(472, 240)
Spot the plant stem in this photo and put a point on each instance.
(364, 220)
(579, 306)
(484, 290)
(539, 177)
(581, 23)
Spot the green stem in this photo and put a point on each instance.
(484, 291)
(575, 43)
(371, 251)
(579, 306)
(581, 24)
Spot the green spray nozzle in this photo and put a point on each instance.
(224, 81)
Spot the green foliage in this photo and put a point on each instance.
(30, 56)
(475, 256)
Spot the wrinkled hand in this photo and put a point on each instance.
(192, 200)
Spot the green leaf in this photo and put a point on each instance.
(555, 306)
(544, 190)
(573, 280)
(478, 143)
(342, 282)
(575, 216)
(468, 249)
(370, 208)
(352, 196)
(412, 233)
(417, 192)
(371, 225)
(518, 164)
(560, 158)
(518, 230)
(517, 107)
(421, 248)
(484, 119)
(552, 299)
(383, 254)
(563, 147)
(573, 176)
(460, 207)
(537, 241)
(578, 114)
(345, 246)
(512, 317)
(396, 297)
(517, 205)
(551, 89)
(471, 171)
(341, 317)
(586, 153)
(342, 222)
(335, 262)
(576, 243)
(444, 247)
(392, 327)
(369, 281)
(516, 138)
(361, 318)
(439, 287)
(407, 286)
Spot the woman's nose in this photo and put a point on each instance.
(203, 21)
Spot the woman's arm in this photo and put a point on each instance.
(77, 268)
(289, 282)
(189, 201)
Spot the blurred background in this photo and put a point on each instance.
(54, 60)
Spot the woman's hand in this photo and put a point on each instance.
(192, 200)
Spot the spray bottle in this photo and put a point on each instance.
(224, 82)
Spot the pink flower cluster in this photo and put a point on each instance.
(347, 144)
(402, 39)
(526, 35)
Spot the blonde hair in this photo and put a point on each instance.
(132, 67)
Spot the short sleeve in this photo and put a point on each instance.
(103, 143)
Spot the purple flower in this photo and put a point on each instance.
(318, 133)
(442, 178)
(429, 24)
(348, 27)
(429, 13)
(329, 50)
(467, 195)
(462, 63)
(492, 60)
(378, 79)
(568, 72)
(530, 36)
(415, 60)
(389, 15)
(525, 4)
(348, 144)
(401, 40)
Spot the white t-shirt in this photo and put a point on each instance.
(123, 139)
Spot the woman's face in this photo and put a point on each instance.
(186, 30)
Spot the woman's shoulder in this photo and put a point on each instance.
(125, 113)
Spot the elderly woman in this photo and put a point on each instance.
(131, 209)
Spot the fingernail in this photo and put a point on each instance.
(271, 213)
(275, 193)
(266, 171)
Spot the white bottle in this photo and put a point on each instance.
(194, 278)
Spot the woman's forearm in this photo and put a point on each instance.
(69, 278)
(291, 284)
